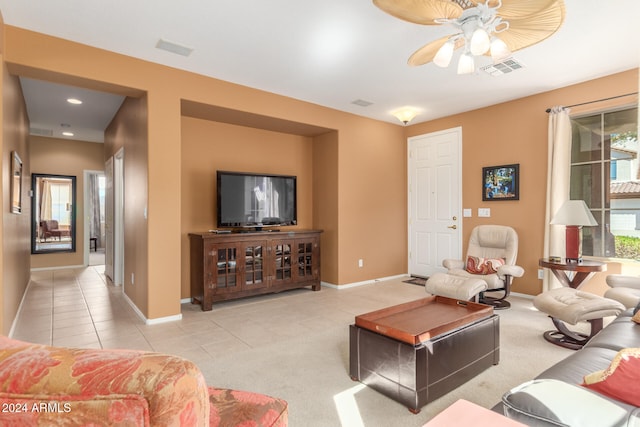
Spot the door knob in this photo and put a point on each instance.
(453, 227)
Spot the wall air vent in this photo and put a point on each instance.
(40, 132)
(504, 67)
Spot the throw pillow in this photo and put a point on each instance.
(636, 317)
(479, 265)
(621, 380)
(557, 403)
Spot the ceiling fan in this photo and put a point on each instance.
(491, 27)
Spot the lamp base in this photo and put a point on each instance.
(573, 241)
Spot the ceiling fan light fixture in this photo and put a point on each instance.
(480, 42)
(499, 50)
(466, 64)
(444, 54)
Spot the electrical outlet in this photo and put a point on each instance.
(360, 263)
(133, 278)
(540, 273)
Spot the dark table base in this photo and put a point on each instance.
(416, 375)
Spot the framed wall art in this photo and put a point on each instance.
(501, 182)
(16, 183)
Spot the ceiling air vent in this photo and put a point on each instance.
(41, 132)
(362, 103)
(174, 47)
(504, 67)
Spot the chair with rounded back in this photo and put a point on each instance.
(624, 289)
(491, 257)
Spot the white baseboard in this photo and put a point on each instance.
(64, 267)
(150, 321)
(13, 324)
(365, 282)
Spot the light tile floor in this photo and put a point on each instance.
(77, 308)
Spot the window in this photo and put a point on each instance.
(605, 174)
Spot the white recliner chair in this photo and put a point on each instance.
(489, 266)
(624, 289)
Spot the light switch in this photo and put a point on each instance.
(466, 213)
(484, 212)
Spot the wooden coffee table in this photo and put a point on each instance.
(416, 352)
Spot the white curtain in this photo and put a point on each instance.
(558, 184)
(46, 213)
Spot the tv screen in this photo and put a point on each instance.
(255, 200)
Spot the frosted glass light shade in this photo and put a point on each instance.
(480, 42)
(466, 64)
(444, 54)
(405, 115)
(499, 50)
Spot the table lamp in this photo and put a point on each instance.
(574, 214)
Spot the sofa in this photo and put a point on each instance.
(610, 364)
(43, 385)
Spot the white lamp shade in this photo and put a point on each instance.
(574, 212)
(444, 54)
(466, 64)
(499, 50)
(480, 42)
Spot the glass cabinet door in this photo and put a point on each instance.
(254, 275)
(305, 259)
(226, 268)
(283, 257)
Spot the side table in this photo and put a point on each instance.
(573, 274)
(465, 413)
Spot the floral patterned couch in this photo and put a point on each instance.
(43, 386)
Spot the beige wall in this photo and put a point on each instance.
(325, 208)
(516, 132)
(14, 232)
(347, 207)
(65, 157)
(128, 132)
(358, 165)
(210, 146)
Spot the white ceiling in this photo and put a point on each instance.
(333, 52)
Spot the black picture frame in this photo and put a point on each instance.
(501, 183)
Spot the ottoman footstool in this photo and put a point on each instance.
(460, 288)
(572, 306)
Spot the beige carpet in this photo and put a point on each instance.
(310, 369)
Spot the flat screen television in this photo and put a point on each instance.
(256, 200)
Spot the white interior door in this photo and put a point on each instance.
(118, 218)
(108, 219)
(114, 218)
(435, 195)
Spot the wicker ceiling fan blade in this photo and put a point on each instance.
(518, 9)
(423, 12)
(533, 29)
(427, 52)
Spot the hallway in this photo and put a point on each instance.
(76, 308)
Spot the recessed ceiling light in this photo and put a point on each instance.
(74, 101)
(67, 133)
